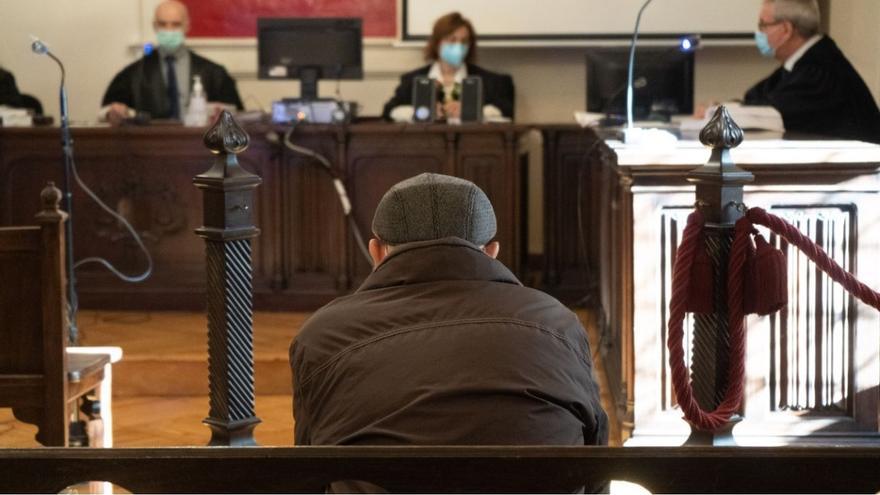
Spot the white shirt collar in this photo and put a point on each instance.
(435, 73)
(793, 59)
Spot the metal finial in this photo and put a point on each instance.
(226, 136)
(721, 131)
(50, 196)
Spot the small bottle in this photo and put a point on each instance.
(197, 111)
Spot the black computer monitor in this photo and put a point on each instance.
(663, 82)
(309, 49)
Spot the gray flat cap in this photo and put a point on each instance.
(433, 206)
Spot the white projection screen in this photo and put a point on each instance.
(573, 20)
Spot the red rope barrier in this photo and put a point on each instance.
(681, 278)
(681, 383)
(815, 252)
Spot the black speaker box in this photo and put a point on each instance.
(424, 99)
(472, 99)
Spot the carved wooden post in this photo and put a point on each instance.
(719, 194)
(228, 228)
(52, 418)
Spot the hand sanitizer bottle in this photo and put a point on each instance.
(197, 112)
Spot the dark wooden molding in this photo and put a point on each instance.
(446, 469)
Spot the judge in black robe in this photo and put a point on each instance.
(817, 91)
(141, 86)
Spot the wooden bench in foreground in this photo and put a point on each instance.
(447, 469)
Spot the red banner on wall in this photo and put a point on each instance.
(222, 18)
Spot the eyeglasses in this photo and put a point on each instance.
(762, 25)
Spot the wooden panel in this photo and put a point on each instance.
(812, 364)
(21, 342)
(305, 254)
(812, 372)
(574, 161)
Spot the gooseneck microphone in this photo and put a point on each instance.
(609, 105)
(40, 48)
(632, 61)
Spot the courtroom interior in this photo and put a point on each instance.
(348, 246)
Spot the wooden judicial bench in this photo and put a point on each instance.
(304, 256)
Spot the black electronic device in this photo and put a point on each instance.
(424, 99)
(663, 83)
(321, 111)
(472, 99)
(309, 49)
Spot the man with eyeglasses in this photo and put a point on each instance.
(816, 90)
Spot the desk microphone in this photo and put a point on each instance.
(40, 48)
(615, 120)
(633, 135)
(632, 62)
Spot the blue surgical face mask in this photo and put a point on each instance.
(453, 53)
(763, 43)
(169, 40)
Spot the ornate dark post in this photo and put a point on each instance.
(228, 228)
(719, 193)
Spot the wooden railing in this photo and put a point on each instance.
(447, 469)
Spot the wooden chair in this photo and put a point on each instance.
(39, 378)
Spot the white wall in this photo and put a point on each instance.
(88, 36)
(95, 38)
(853, 25)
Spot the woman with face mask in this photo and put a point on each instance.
(451, 52)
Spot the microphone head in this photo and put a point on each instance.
(38, 46)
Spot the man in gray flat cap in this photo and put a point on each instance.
(442, 345)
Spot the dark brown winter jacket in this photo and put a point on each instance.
(442, 345)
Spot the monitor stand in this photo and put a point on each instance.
(308, 83)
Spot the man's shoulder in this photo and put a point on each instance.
(824, 53)
(201, 62)
(141, 63)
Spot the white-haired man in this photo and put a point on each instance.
(816, 90)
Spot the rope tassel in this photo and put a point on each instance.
(767, 282)
(757, 283)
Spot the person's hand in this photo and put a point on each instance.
(452, 109)
(117, 113)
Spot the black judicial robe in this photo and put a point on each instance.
(822, 95)
(141, 86)
(9, 94)
(497, 89)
